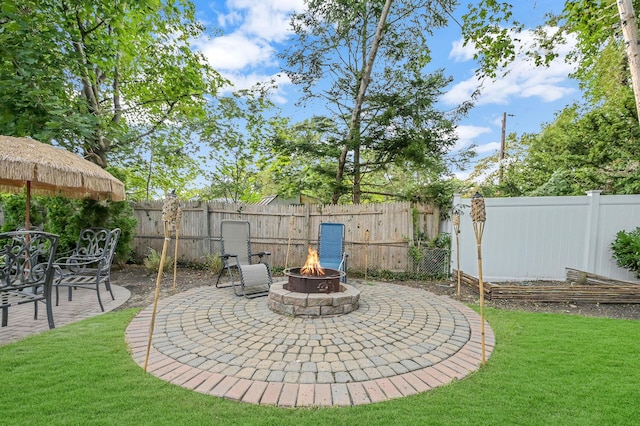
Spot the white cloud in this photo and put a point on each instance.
(488, 147)
(523, 79)
(267, 19)
(546, 92)
(461, 92)
(229, 19)
(467, 135)
(462, 174)
(245, 55)
(250, 80)
(460, 52)
(235, 52)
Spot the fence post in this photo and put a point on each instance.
(412, 225)
(205, 211)
(591, 233)
(307, 224)
(457, 200)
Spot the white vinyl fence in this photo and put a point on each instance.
(531, 238)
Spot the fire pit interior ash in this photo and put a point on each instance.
(329, 282)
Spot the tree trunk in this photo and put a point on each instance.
(342, 161)
(357, 191)
(630, 32)
(354, 124)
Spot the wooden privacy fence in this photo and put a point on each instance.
(378, 236)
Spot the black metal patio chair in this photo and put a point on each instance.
(27, 271)
(89, 265)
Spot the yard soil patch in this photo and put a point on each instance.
(142, 285)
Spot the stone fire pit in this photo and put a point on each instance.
(287, 302)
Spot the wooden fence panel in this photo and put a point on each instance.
(287, 230)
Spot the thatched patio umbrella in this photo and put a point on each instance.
(46, 170)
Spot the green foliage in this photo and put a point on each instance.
(443, 240)
(65, 217)
(117, 82)
(488, 24)
(496, 37)
(584, 148)
(387, 275)
(153, 259)
(415, 252)
(14, 208)
(626, 250)
(587, 148)
(213, 263)
(277, 270)
(435, 191)
(299, 161)
(238, 148)
(328, 58)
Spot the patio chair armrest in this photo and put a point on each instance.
(64, 255)
(261, 254)
(227, 256)
(78, 260)
(73, 265)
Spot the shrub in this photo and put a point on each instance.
(626, 250)
(152, 262)
(443, 240)
(213, 263)
(65, 217)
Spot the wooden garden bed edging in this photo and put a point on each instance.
(580, 287)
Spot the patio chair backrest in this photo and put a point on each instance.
(26, 259)
(331, 245)
(236, 240)
(92, 242)
(26, 271)
(110, 248)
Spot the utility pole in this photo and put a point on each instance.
(504, 130)
(630, 33)
(502, 145)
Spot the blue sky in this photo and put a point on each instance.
(253, 31)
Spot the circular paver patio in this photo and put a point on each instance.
(401, 341)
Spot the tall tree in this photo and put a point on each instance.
(111, 80)
(299, 159)
(365, 61)
(582, 149)
(589, 147)
(595, 26)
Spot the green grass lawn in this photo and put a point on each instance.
(547, 369)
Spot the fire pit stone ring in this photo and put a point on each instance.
(286, 302)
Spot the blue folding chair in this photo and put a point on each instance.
(331, 248)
